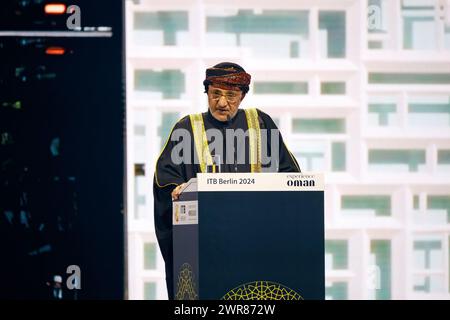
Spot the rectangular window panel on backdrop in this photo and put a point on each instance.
(409, 78)
(311, 155)
(375, 45)
(419, 25)
(396, 160)
(314, 126)
(332, 87)
(337, 290)
(429, 111)
(429, 283)
(429, 260)
(380, 252)
(366, 205)
(436, 212)
(443, 160)
(149, 256)
(383, 111)
(336, 254)
(166, 84)
(447, 37)
(141, 141)
(141, 191)
(428, 254)
(439, 204)
(285, 87)
(149, 291)
(332, 34)
(338, 156)
(168, 120)
(161, 28)
(267, 34)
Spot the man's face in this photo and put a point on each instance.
(224, 103)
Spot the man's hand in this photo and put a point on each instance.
(176, 192)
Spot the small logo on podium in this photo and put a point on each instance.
(177, 213)
(186, 288)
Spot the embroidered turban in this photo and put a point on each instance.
(227, 75)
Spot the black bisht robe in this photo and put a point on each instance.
(169, 175)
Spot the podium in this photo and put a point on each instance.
(250, 236)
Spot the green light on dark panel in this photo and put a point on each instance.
(17, 105)
(280, 88)
(318, 125)
(382, 251)
(411, 158)
(409, 78)
(381, 204)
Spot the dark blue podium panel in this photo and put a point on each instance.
(266, 245)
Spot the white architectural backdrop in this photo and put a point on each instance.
(360, 89)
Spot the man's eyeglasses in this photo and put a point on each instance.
(230, 96)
